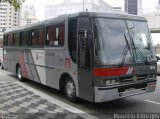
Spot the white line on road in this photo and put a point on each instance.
(58, 102)
(153, 102)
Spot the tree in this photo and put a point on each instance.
(16, 3)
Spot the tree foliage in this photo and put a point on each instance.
(15, 3)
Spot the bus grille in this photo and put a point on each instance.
(131, 79)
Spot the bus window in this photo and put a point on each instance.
(5, 42)
(16, 41)
(84, 47)
(40, 37)
(25, 36)
(10, 39)
(72, 39)
(37, 37)
(32, 39)
(55, 35)
(59, 36)
(50, 36)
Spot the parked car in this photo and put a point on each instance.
(1, 59)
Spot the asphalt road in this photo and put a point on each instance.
(144, 103)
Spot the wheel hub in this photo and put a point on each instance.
(70, 88)
(19, 73)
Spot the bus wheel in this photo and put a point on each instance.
(70, 90)
(19, 74)
(1, 66)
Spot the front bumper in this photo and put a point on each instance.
(105, 94)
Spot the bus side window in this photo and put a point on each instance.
(84, 50)
(34, 39)
(28, 38)
(10, 39)
(25, 36)
(40, 36)
(16, 39)
(37, 37)
(5, 42)
(59, 35)
(55, 35)
(72, 39)
(50, 36)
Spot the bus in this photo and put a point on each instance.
(97, 57)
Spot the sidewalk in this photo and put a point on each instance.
(17, 102)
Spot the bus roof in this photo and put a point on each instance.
(108, 15)
(79, 14)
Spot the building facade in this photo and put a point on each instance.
(154, 18)
(158, 8)
(28, 15)
(133, 7)
(69, 6)
(1, 38)
(9, 18)
(28, 20)
(119, 10)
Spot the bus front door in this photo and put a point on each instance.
(86, 90)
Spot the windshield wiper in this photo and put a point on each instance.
(125, 51)
(136, 48)
(140, 52)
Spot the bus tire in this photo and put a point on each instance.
(19, 74)
(70, 90)
(1, 66)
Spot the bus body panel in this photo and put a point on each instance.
(34, 67)
(136, 80)
(104, 95)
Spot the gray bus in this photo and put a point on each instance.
(97, 57)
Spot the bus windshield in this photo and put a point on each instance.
(141, 39)
(113, 39)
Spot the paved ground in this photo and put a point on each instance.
(21, 103)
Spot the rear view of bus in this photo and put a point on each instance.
(119, 55)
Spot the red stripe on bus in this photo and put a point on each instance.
(102, 72)
(37, 74)
(23, 68)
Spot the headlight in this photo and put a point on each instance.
(112, 82)
(151, 76)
